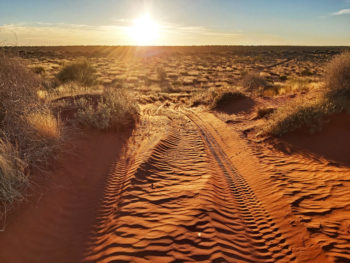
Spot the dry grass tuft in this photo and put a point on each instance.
(113, 110)
(12, 173)
(29, 133)
(310, 112)
(225, 98)
(253, 82)
(80, 71)
(45, 124)
(338, 73)
(264, 112)
(302, 113)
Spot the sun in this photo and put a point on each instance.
(144, 31)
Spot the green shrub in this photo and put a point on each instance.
(81, 72)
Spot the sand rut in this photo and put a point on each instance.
(184, 202)
(260, 229)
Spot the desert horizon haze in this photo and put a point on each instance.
(165, 22)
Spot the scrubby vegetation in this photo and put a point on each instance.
(303, 113)
(264, 112)
(204, 97)
(338, 73)
(223, 99)
(113, 110)
(13, 177)
(80, 71)
(29, 131)
(31, 128)
(253, 82)
(311, 112)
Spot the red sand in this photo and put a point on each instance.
(237, 106)
(332, 143)
(54, 225)
(203, 193)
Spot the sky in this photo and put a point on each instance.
(175, 22)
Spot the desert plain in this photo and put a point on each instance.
(230, 155)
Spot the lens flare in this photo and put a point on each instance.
(144, 31)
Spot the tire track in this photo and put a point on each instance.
(318, 194)
(260, 228)
(183, 201)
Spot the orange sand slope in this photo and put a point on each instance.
(55, 225)
(202, 193)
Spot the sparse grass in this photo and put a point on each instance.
(80, 71)
(114, 110)
(253, 82)
(338, 73)
(70, 90)
(302, 113)
(206, 97)
(45, 124)
(225, 98)
(306, 73)
(310, 112)
(39, 70)
(293, 85)
(283, 78)
(264, 112)
(29, 131)
(12, 173)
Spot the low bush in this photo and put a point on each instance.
(204, 97)
(12, 173)
(80, 71)
(264, 112)
(337, 76)
(225, 98)
(44, 124)
(310, 113)
(29, 132)
(113, 110)
(301, 113)
(40, 70)
(253, 82)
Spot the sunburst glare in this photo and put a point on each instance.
(144, 31)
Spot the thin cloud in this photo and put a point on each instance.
(342, 12)
(60, 34)
(74, 34)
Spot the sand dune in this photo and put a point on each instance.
(199, 193)
(186, 203)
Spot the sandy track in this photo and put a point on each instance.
(198, 192)
(185, 202)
